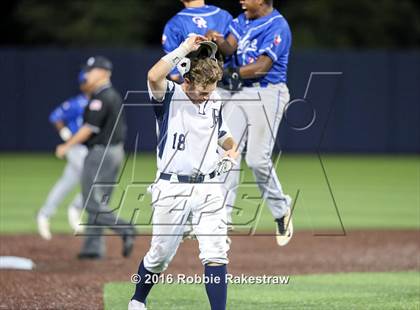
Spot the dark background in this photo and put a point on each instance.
(315, 23)
(373, 106)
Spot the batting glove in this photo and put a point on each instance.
(225, 165)
(231, 79)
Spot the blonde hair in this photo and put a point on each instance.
(205, 71)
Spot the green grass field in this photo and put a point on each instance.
(335, 291)
(370, 192)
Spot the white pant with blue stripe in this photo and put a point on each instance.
(173, 203)
(253, 116)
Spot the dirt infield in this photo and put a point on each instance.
(60, 281)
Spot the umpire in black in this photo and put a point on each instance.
(103, 132)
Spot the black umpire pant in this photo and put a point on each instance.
(100, 171)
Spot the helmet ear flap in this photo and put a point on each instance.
(184, 66)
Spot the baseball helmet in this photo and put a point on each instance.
(207, 49)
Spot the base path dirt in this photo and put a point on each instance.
(61, 281)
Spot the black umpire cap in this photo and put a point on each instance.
(98, 62)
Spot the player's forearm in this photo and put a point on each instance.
(59, 125)
(163, 67)
(256, 69)
(81, 136)
(156, 78)
(225, 48)
(158, 73)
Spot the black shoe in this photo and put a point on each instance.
(128, 243)
(89, 256)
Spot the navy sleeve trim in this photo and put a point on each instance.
(162, 116)
(160, 107)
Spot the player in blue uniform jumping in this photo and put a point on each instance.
(195, 18)
(259, 41)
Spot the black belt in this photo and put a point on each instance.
(197, 178)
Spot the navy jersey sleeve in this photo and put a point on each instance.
(224, 131)
(95, 114)
(276, 41)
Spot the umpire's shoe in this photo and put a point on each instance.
(128, 242)
(89, 256)
(284, 228)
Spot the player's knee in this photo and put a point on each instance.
(215, 252)
(158, 259)
(215, 261)
(257, 161)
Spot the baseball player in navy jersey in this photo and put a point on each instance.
(195, 18)
(260, 41)
(67, 118)
(191, 128)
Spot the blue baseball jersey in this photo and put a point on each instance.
(194, 21)
(191, 21)
(70, 112)
(268, 35)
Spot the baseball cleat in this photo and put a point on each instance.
(44, 226)
(136, 305)
(89, 256)
(73, 215)
(284, 228)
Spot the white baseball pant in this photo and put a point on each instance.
(253, 116)
(67, 182)
(172, 204)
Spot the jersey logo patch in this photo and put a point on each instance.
(95, 105)
(277, 39)
(199, 21)
(247, 46)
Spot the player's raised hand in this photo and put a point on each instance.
(213, 35)
(193, 42)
